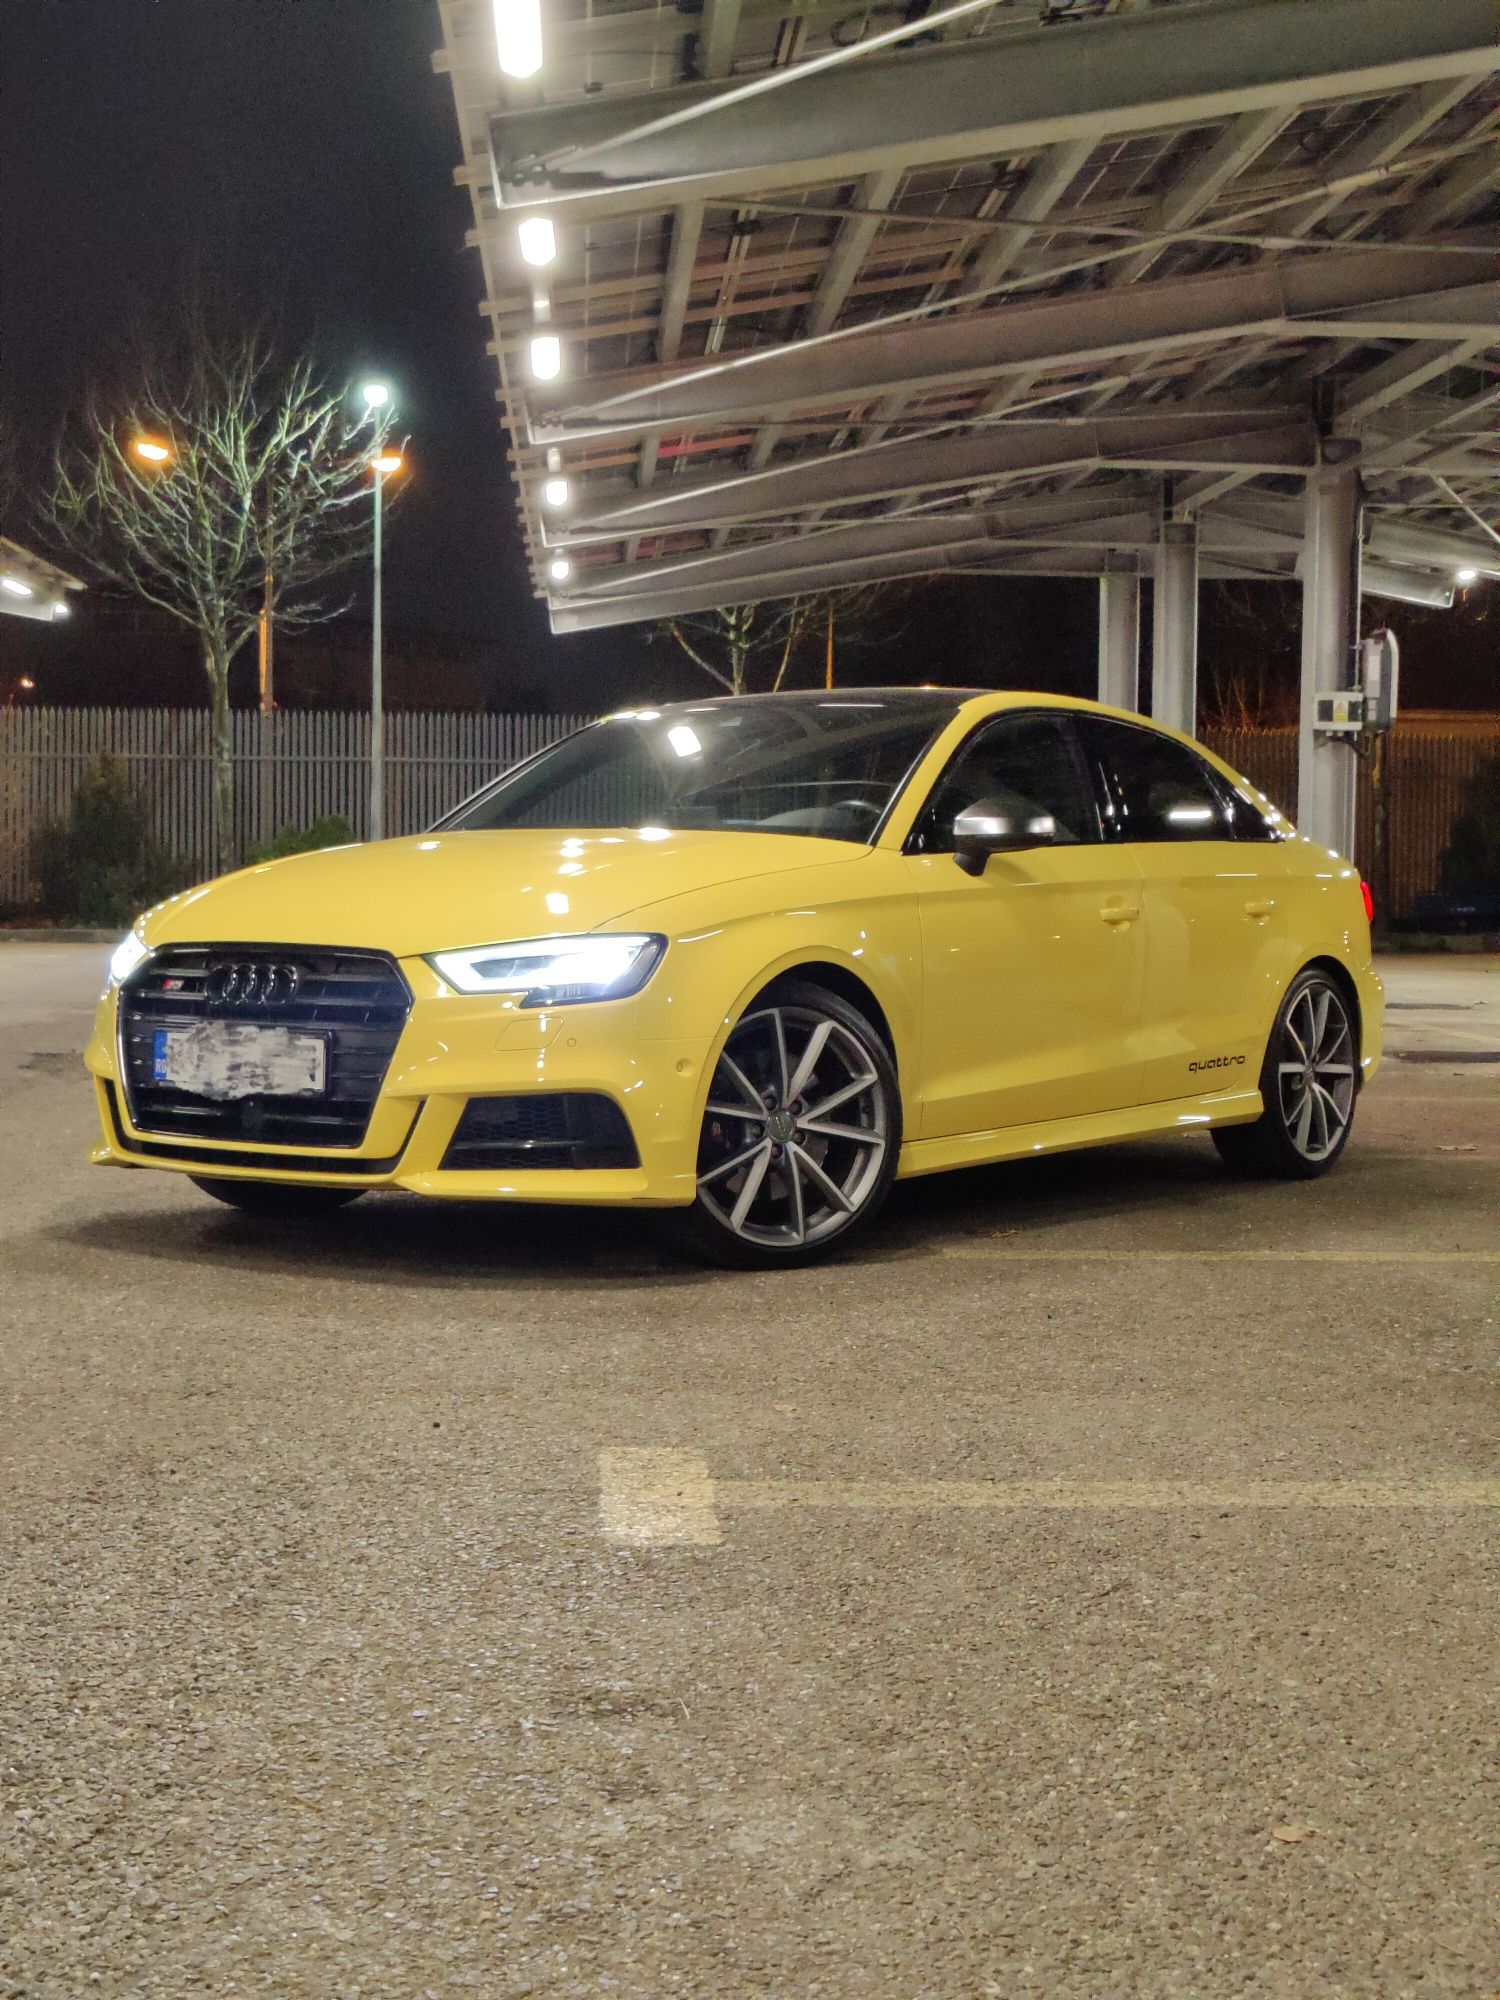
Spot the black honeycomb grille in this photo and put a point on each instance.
(574, 1128)
(356, 1000)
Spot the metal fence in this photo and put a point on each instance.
(299, 766)
(1410, 791)
(290, 769)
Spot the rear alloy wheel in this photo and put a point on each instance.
(277, 1201)
(1308, 1085)
(800, 1136)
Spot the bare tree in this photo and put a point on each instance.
(734, 643)
(739, 644)
(221, 478)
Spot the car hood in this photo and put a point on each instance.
(440, 891)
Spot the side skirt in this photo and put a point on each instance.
(1060, 1135)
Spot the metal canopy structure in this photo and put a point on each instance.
(1012, 291)
(32, 587)
(788, 297)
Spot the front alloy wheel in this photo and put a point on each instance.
(800, 1135)
(1308, 1085)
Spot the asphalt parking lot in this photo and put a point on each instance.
(1087, 1593)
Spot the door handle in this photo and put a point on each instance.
(1120, 913)
(1260, 909)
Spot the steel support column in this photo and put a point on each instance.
(1330, 634)
(1174, 628)
(1120, 636)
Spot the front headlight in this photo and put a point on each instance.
(549, 972)
(130, 952)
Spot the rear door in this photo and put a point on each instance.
(1033, 969)
(1214, 899)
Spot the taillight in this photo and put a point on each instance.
(1364, 890)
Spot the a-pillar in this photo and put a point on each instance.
(1174, 628)
(1120, 636)
(1326, 769)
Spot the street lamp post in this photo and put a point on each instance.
(265, 631)
(385, 465)
(377, 400)
(377, 682)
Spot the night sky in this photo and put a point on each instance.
(300, 153)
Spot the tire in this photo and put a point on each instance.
(1309, 1084)
(276, 1201)
(779, 1186)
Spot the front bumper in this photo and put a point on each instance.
(454, 1047)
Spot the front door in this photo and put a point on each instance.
(1216, 927)
(1033, 969)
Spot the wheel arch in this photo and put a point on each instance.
(1341, 976)
(847, 985)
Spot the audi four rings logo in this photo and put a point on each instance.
(254, 983)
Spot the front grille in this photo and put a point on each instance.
(356, 999)
(576, 1128)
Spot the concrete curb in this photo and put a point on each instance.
(59, 936)
(1470, 942)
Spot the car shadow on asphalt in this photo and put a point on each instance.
(407, 1239)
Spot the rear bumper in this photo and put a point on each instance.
(1371, 993)
(454, 1048)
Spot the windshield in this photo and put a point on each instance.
(828, 768)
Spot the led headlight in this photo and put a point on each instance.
(549, 972)
(130, 952)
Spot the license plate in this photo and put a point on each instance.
(223, 1059)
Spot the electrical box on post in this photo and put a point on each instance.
(1370, 708)
(1380, 669)
(1341, 713)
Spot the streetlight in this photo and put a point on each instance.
(1468, 574)
(151, 449)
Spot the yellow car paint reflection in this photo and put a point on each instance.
(1052, 995)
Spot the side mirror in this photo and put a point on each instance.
(986, 828)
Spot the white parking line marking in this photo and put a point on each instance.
(887, 1495)
(657, 1497)
(1016, 1254)
(668, 1498)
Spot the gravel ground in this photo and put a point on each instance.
(320, 1676)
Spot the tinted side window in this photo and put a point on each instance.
(1029, 766)
(1250, 817)
(1157, 789)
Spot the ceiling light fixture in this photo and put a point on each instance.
(538, 239)
(518, 36)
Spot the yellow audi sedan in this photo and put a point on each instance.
(745, 962)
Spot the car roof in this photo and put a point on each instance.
(919, 698)
(926, 699)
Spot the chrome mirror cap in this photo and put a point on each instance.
(984, 829)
